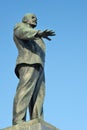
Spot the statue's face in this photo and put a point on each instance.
(32, 21)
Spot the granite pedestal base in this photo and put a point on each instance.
(36, 124)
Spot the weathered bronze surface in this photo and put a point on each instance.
(29, 69)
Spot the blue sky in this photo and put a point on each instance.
(65, 103)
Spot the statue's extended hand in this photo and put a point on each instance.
(46, 33)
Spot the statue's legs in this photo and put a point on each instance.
(36, 103)
(29, 77)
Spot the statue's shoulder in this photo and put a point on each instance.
(19, 25)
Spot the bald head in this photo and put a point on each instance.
(31, 19)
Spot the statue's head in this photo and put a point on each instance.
(31, 19)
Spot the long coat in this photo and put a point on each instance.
(31, 49)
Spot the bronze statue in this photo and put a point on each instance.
(29, 69)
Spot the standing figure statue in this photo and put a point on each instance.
(29, 69)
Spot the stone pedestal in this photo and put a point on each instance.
(36, 124)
